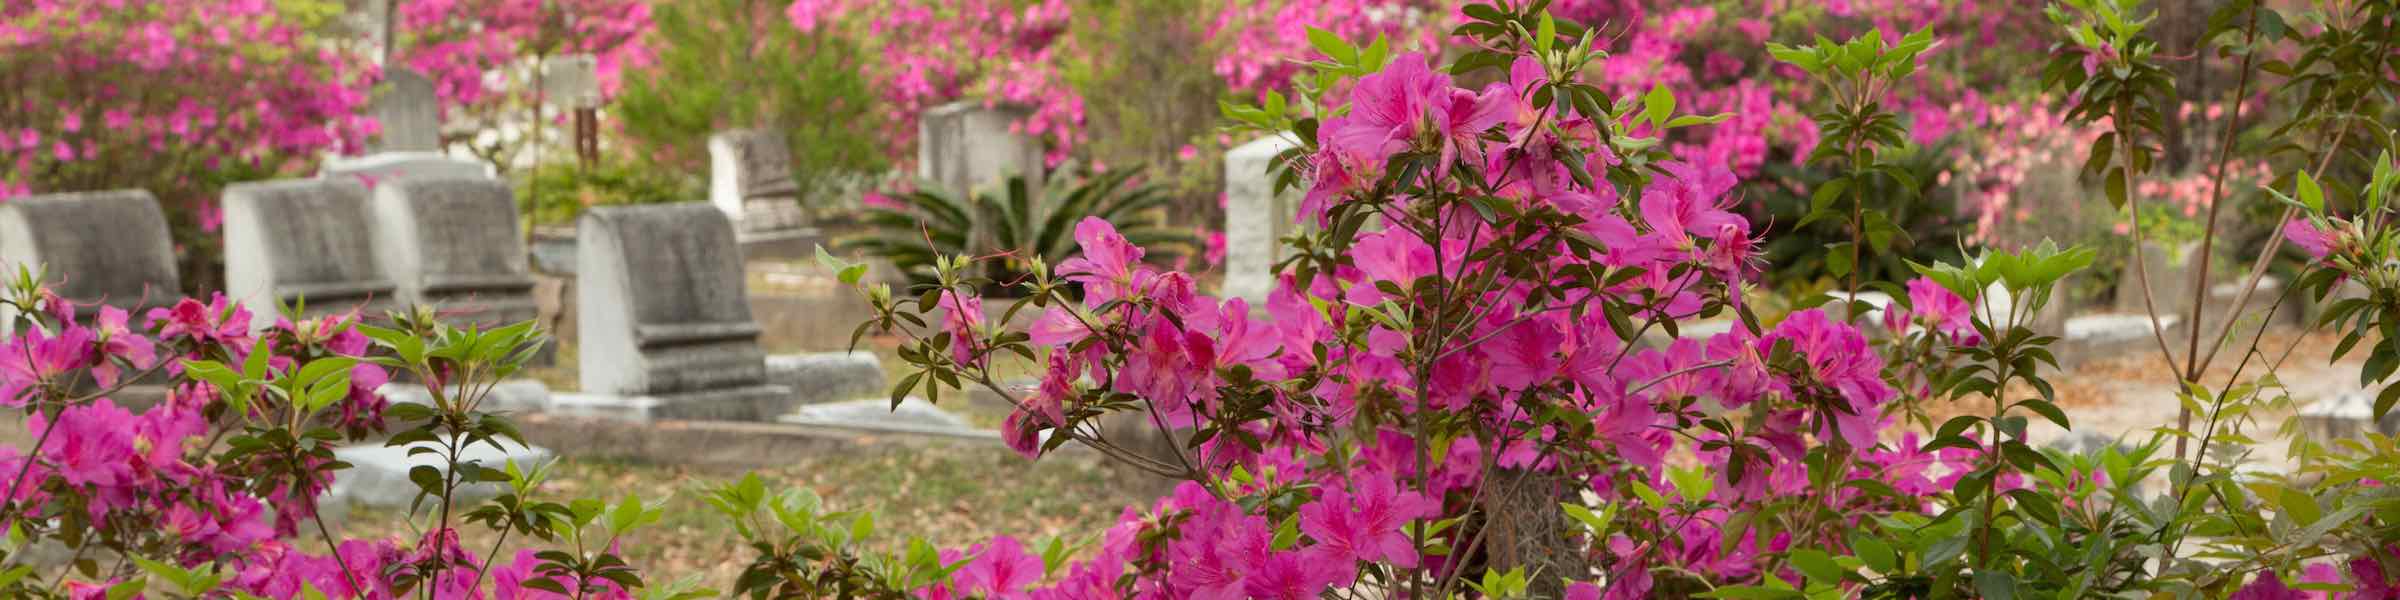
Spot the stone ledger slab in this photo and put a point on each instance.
(378, 476)
(827, 376)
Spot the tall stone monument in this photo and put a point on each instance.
(409, 112)
(309, 239)
(1256, 218)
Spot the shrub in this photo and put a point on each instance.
(1012, 227)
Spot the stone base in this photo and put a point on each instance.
(827, 376)
(2111, 335)
(514, 395)
(914, 415)
(2346, 416)
(378, 476)
(752, 403)
(786, 244)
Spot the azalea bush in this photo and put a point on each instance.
(182, 88)
(484, 59)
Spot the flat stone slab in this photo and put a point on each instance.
(378, 476)
(2347, 415)
(2116, 327)
(821, 377)
(514, 395)
(749, 403)
(913, 415)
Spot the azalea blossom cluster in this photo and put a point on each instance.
(1442, 351)
(929, 53)
(1265, 41)
(480, 54)
(137, 481)
(191, 87)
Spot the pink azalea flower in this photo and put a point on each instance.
(2305, 235)
(1002, 569)
(1364, 523)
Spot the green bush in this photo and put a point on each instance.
(556, 193)
(735, 64)
(1021, 226)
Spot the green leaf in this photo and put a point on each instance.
(1332, 46)
(1658, 105)
(1546, 36)
(2311, 195)
(1817, 565)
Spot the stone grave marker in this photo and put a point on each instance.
(2170, 274)
(453, 244)
(913, 415)
(378, 476)
(2347, 415)
(828, 376)
(571, 80)
(1256, 218)
(965, 144)
(750, 178)
(374, 169)
(663, 318)
(308, 239)
(108, 247)
(409, 113)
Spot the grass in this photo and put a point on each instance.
(950, 495)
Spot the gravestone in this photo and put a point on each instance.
(308, 239)
(373, 169)
(571, 80)
(452, 243)
(965, 144)
(2171, 273)
(663, 318)
(409, 113)
(108, 247)
(2348, 414)
(1256, 218)
(750, 178)
(912, 415)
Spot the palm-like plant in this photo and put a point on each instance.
(1017, 225)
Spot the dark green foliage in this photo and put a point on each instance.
(1926, 224)
(732, 64)
(556, 193)
(1018, 223)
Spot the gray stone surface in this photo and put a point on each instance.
(307, 239)
(111, 247)
(2347, 415)
(408, 110)
(820, 377)
(571, 80)
(750, 178)
(378, 476)
(746, 403)
(375, 168)
(913, 415)
(452, 243)
(2170, 274)
(513, 395)
(662, 310)
(1256, 218)
(963, 145)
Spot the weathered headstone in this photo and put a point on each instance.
(965, 144)
(663, 316)
(1256, 218)
(571, 80)
(2347, 415)
(99, 247)
(408, 112)
(374, 169)
(453, 244)
(309, 239)
(750, 178)
(2170, 272)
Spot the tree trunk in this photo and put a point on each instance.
(1528, 530)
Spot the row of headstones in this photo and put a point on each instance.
(663, 311)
